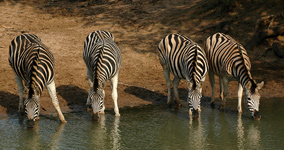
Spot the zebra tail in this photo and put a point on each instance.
(34, 75)
(194, 68)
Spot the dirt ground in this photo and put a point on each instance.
(137, 26)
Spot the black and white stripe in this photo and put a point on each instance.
(33, 64)
(103, 60)
(185, 60)
(229, 61)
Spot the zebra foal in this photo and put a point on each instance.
(103, 60)
(185, 60)
(33, 64)
(229, 61)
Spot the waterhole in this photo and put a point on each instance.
(152, 127)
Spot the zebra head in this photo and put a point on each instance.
(253, 98)
(97, 100)
(193, 100)
(32, 106)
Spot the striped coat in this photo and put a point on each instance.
(229, 61)
(185, 60)
(33, 64)
(103, 60)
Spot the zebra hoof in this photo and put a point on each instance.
(30, 123)
(21, 113)
(169, 104)
(95, 117)
(63, 121)
(212, 105)
(222, 107)
(179, 105)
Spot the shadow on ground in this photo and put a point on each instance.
(9, 101)
(145, 94)
(74, 95)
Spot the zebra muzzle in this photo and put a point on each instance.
(256, 115)
(95, 116)
(30, 123)
(195, 114)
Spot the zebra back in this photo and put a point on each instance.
(225, 55)
(184, 58)
(32, 61)
(101, 56)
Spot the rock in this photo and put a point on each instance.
(278, 49)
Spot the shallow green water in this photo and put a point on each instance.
(152, 127)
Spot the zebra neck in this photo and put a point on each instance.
(245, 79)
(98, 83)
(243, 70)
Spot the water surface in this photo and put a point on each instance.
(152, 127)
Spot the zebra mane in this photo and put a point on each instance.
(246, 66)
(99, 60)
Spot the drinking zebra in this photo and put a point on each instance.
(103, 60)
(185, 60)
(229, 61)
(33, 64)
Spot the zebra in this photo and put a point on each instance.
(102, 58)
(185, 60)
(229, 61)
(33, 64)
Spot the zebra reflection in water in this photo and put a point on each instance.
(103, 133)
(248, 136)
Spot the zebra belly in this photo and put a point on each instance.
(224, 74)
(177, 72)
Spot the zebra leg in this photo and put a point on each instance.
(200, 90)
(175, 87)
(114, 82)
(21, 93)
(212, 83)
(52, 93)
(90, 83)
(103, 109)
(240, 96)
(168, 80)
(224, 82)
(221, 82)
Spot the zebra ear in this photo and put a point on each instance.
(248, 86)
(260, 85)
